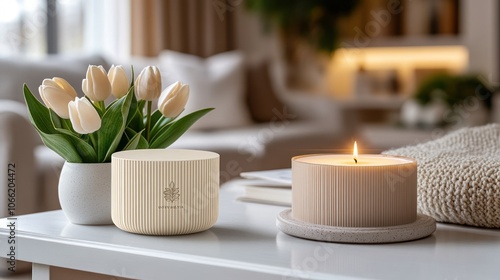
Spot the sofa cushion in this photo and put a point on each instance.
(17, 71)
(217, 82)
(48, 166)
(231, 144)
(263, 146)
(261, 98)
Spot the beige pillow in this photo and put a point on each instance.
(217, 81)
(261, 98)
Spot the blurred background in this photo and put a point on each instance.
(287, 77)
(387, 73)
(368, 56)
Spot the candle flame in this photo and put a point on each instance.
(355, 152)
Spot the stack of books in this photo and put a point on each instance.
(268, 187)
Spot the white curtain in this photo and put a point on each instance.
(22, 27)
(107, 28)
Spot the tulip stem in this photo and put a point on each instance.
(66, 124)
(148, 120)
(102, 106)
(93, 140)
(99, 106)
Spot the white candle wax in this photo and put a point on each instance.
(334, 190)
(348, 160)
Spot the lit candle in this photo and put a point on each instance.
(369, 191)
(355, 152)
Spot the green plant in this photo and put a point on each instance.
(85, 130)
(314, 21)
(454, 89)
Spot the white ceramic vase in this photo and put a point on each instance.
(85, 193)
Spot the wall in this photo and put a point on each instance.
(480, 34)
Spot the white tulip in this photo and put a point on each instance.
(118, 80)
(56, 93)
(148, 84)
(173, 99)
(96, 86)
(83, 116)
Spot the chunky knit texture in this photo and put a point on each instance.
(459, 176)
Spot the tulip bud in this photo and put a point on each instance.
(83, 116)
(173, 99)
(148, 84)
(118, 80)
(96, 86)
(56, 93)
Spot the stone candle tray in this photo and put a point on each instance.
(422, 227)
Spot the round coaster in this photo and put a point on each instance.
(422, 227)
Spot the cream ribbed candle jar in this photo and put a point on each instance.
(333, 190)
(164, 192)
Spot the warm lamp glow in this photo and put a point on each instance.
(355, 152)
(405, 61)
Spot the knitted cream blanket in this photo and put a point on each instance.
(459, 176)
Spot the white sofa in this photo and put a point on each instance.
(314, 127)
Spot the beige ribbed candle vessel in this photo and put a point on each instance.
(165, 192)
(332, 190)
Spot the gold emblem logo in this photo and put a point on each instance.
(171, 193)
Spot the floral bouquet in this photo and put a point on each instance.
(85, 130)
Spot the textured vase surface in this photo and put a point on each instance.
(85, 193)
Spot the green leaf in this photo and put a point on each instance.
(55, 119)
(130, 133)
(140, 105)
(156, 116)
(136, 122)
(66, 124)
(132, 70)
(134, 142)
(58, 124)
(84, 149)
(112, 127)
(135, 117)
(171, 132)
(159, 121)
(60, 144)
(109, 105)
(143, 143)
(39, 116)
(133, 105)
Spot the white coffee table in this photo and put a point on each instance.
(245, 244)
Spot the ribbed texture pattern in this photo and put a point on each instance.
(138, 195)
(354, 196)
